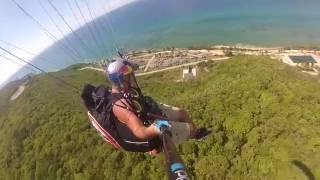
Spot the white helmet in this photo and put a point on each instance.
(118, 69)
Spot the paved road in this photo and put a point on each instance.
(161, 70)
(149, 62)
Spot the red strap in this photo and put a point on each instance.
(107, 137)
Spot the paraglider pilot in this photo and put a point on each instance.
(131, 121)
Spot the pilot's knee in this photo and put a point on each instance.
(183, 113)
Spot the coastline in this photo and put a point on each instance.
(172, 56)
(155, 60)
(236, 45)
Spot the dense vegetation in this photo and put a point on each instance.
(265, 117)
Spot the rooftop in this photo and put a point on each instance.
(302, 59)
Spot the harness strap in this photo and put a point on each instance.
(120, 96)
(107, 137)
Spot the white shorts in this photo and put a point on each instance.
(180, 130)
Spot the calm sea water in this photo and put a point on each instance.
(210, 22)
(184, 23)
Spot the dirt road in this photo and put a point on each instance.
(18, 92)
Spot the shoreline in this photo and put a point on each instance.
(171, 56)
(164, 58)
(235, 45)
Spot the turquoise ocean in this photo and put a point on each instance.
(184, 23)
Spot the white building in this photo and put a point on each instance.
(189, 73)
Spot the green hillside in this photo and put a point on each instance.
(265, 116)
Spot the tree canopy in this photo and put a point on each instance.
(264, 115)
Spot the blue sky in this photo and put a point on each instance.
(18, 29)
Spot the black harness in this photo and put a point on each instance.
(99, 102)
(143, 107)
